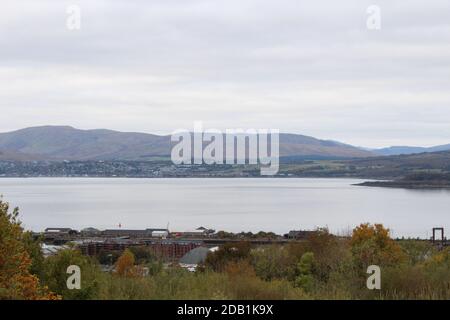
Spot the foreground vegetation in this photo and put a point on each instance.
(324, 267)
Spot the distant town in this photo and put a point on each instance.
(207, 236)
(171, 247)
(423, 171)
(187, 248)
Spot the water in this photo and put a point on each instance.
(271, 204)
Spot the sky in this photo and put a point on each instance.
(307, 67)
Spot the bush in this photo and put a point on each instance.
(55, 274)
(273, 262)
(230, 252)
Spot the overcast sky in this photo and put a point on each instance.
(309, 67)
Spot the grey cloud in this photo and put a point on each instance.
(300, 66)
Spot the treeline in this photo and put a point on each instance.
(323, 267)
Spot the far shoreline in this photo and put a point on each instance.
(403, 185)
(374, 183)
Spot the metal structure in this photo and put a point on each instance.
(439, 241)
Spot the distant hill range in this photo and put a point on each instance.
(68, 143)
(398, 150)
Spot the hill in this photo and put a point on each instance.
(413, 162)
(398, 150)
(406, 167)
(67, 143)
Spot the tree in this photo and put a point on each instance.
(331, 254)
(305, 267)
(142, 255)
(372, 245)
(16, 280)
(272, 262)
(229, 252)
(417, 251)
(55, 274)
(34, 249)
(125, 264)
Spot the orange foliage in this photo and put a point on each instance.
(125, 264)
(372, 244)
(241, 268)
(16, 281)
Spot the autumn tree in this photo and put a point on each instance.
(16, 280)
(125, 264)
(372, 245)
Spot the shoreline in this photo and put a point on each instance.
(403, 185)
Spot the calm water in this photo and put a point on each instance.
(279, 205)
